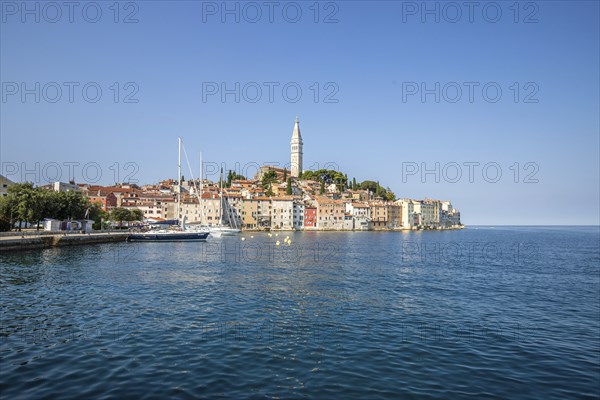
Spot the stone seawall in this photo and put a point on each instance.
(30, 242)
(449, 228)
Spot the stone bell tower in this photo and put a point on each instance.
(296, 150)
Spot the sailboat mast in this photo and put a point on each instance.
(221, 201)
(201, 190)
(179, 180)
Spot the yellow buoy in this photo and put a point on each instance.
(270, 234)
(277, 234)
(251, 236)
(277, 243)
(243, 238)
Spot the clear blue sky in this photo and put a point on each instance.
(369, 54)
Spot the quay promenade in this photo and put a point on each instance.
(16, 241)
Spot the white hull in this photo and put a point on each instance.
(219, 231)
(168, 236)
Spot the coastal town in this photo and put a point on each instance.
(274, 199)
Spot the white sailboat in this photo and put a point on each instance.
(180, 234)
(222, 229)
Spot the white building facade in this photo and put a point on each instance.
(4, 184)
(282, 213)
(298, 215)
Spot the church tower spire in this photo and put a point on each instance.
(296, 150)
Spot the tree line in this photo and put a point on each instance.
(28, 204)
(329, 176)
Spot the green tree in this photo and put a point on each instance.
(44, 206)
(354, 183)
(389, 195)
(285, 174)
(269, 191)
(369, 185)
(288, 189)
(234, 176)
(322, 191)
(137, 215)
(268, 178)
(376, 188)
(24, 206)
(26, 203)
(71, 205)
(95, 212)
(120, 215)
(8, 205)
(328, 176)
(53, 205)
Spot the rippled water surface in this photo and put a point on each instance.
(505, 312)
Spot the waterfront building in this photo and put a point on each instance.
(282, 213)
(436, 216)
(310, 217)
(348, 222)
(361, 215)
(454, 217)
(427, 214)
(378, 216)
(249, 213)
(395, 213)
(385, 215)
(407, 213)
(299, 211)
(330, 213)
(263, 212)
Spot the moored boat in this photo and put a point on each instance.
(168, 236)
(178, 234)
